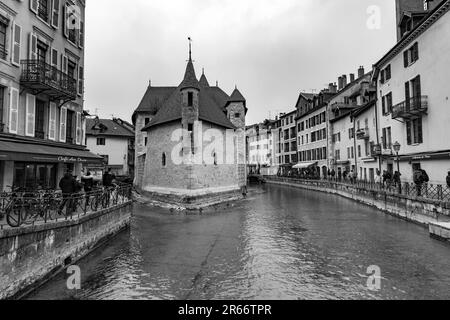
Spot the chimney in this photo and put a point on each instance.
(335, 87)
(340, 82)
(361, 72)
(352, 77)
(344, 81)
(331, 88)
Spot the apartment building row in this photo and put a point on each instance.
(394, 117)
(42, 120)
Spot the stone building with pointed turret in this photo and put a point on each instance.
(190, 143)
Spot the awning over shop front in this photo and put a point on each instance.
(305, 165)
(29, 152)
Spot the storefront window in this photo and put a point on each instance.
(35, 176)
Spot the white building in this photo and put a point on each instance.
(42, 121)
(114, 141)
(261, 147)
(312, 130)
(413, 95)
(353, 128)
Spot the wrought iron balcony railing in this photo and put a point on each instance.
(42, 77)
(363, 134)
(410, 108)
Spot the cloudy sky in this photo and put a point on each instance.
(270, 49)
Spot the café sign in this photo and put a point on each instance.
(71, 159)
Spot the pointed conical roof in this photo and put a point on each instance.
(190, 80)
(203, 81)
(236, 96)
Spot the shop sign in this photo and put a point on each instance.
(71, 159)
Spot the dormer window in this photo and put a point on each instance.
(190, 99)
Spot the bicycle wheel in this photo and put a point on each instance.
(16, 215)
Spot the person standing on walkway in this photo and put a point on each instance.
(448, 179)
(68, 186)
(88, 183)
(418, 181)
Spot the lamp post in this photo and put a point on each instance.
(397, 146)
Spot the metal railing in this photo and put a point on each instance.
(434, 192)
(18, 209)
(39, 72)
(410, 107)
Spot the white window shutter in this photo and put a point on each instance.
(52, 122)
(63, 124)
(55, 13)
(66, 20)
(81, 35)
(80, 80)
(34, 5)
(79, 133)
(30, 115)
(13, 111)
(54, 58)
(16, 42)
(64, 63)
(32, 47)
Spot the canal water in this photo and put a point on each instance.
(280, 243)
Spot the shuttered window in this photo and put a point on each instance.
(55, 13)
(30, 107)
(32, 47)
(79, 130)
(17, 38)
(52, 121)
(63, 124)
(14, 111)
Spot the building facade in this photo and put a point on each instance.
(195, 136)
(413, 98)
(114, 141)
(352, 132)
(41, 92)
(287, 140)
(312, 131)
(261, 147)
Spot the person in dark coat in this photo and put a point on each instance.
(448, 179)
(68, 186)
(108, 178)
(418, 181)
(88, 184)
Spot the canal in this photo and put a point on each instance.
(280, 243)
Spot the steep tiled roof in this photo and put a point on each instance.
(154, 98)
(236, 96)
(189, 80)
(110, 128)
(203, 81)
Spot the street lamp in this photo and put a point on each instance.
(397, 146)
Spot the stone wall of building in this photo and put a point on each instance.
(31, 254)
(241, 146)
(182, 177)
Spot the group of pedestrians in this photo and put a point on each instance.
(71, 187)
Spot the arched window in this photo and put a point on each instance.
(164, 160)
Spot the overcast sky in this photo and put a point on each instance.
(270, 49)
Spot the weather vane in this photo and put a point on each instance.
(190, 48)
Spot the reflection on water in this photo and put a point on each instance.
(280, 243)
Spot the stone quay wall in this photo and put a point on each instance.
(414, 209)
(31, 255)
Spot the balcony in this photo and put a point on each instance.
(41, 77)
(410, 108)
(363, 134)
